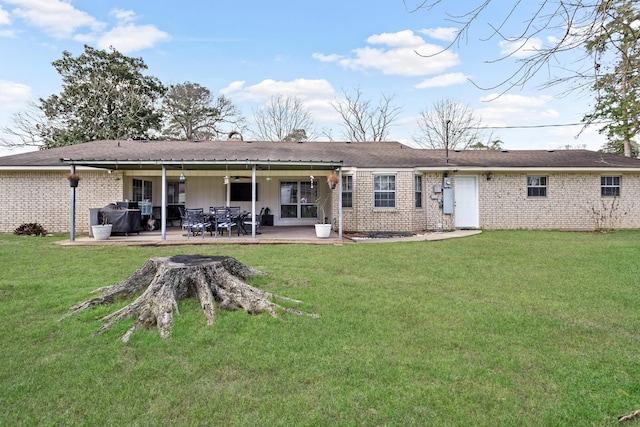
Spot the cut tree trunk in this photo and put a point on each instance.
(217, 281)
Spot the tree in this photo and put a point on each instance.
(26, 130)
(283, 118)
(616, 55)
(450, 124)
(537, 34)
(363, 121)
(104, 96)
(191, 112)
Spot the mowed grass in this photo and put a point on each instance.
(503, 328)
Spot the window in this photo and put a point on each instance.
(298, 199)
(347, 191)
(418, 190)
(142, 190)
(176, 192)
(536, 186)
(610, 186)
(384, 191)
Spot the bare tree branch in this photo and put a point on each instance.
(284, 118)
(561, 26)
(25, 129)
(363, 121)
(450, 123)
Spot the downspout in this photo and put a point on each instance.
(72, 208)
(163, 207)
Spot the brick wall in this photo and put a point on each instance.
(363, 217)
(44, 197)
(573, 202)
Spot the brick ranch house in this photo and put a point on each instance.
(385, 186)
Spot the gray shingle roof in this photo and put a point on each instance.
(356, 154)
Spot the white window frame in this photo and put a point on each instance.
(145, 190)
(610, 184)
(347, 191)
(381, 187)
(535, 183)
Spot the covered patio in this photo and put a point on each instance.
(208, 165)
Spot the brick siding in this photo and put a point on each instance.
(573, 202)
(44, 197)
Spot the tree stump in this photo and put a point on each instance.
(217, 281)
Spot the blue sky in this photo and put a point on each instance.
(250, 50)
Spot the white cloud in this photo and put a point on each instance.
(61, 20)
(130, 38)
(404, 38)
(316, 95)
(55, 17)
(124, 16)
(516, 110)
(520, 48)
(303, 88)
(511, 100)
(9, 34)
(441, 33)
(403, 53)
(13, 95)
(4, 17)
(233, 87)
(443, 80)
(327, 58)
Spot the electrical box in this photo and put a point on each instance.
(447, 201)
(437, 188)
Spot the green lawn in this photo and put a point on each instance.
(510, 328)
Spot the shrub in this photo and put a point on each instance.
(30, 229)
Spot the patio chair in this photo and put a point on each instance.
(196, 223)
(248, 221)
(183, 215)
(222, 220)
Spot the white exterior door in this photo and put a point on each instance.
(466, 202)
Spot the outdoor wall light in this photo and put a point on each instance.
(489, 176)
(182, 177)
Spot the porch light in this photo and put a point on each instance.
(182, 177)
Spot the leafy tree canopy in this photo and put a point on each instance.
(191, 112)
(104, 96)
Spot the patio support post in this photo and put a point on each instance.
(163, 207)
(254, 218)
(340, 204)
(72, 209)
